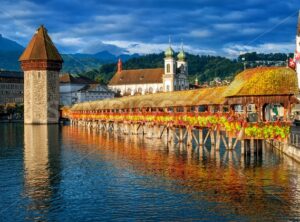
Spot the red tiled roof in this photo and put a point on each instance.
(41, 47)
(137, 76)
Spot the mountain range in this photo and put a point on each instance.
(10, 52)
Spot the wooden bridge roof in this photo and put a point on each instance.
(264, 81)
(203, 96)
(261, 83)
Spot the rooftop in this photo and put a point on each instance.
(75, 79)
(41, 47)
(11, 74)
(264, 81)
(204, 96)
(137, 76)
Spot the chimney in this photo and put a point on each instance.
(119, 66)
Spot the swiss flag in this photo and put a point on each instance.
(292, 63)
(297, 56)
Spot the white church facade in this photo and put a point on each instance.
(173, 77)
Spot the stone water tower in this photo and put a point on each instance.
(41, 63)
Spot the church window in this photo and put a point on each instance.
(168, 68)
(150, 90)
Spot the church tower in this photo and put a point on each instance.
(41, 63)
(182, 66)
(181, 62)
(297, 56)
(170, 70)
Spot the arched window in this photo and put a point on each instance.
(168, 68)
(150, 90)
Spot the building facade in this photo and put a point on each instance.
(76, 89)
(11, 87)
(41, 63)
(173, 77)
(297, 54)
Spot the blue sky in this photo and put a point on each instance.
(215, 27)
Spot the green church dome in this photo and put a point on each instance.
(169, 52)
(181, 55)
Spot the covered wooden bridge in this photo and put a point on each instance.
(255, 106)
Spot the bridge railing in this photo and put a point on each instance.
(294, 140)
(231, 123)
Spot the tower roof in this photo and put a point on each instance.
(181, 55)
(41, 47)
(169, 52)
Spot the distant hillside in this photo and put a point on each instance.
(9, 45)
(9, 54)
(78, 63)
(204, 67)
(73, 63)
(9, 60)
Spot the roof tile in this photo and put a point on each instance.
(41, 47)
(138, 76)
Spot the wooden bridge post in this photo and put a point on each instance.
(149, 130)
(156, 131)
(180, 135)
(126, 129)
(230, 142)
(134, 128)
(200, 137)
(170, 134)
(212, 137)
(189, 135)
(115, 128)
(242, 147)
(252, 148)
(218, 140)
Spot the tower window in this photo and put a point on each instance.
(168, 68)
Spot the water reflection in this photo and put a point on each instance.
(42, 169)
(259, 186)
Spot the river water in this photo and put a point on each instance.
(55, 173)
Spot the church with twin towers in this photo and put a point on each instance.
(172, 77)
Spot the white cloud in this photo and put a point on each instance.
(200, 33)
(226, 26)
(148, 48)
(250, 31)
(235, 50)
